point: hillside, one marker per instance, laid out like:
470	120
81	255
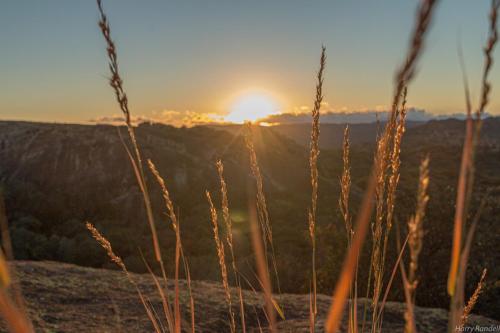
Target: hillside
331	134
67	298
54	177
449	131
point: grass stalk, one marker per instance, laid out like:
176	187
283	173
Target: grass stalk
466	176
116	82
473	299
403	77
12	308
13	314
395	164
167	311
262	268
459	255
229	239
135	156
263	214
345	188
415	238
179	252
222	261
106	245
313	165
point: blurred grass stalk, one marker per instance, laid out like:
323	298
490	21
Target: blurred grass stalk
376	183
459	254
12	305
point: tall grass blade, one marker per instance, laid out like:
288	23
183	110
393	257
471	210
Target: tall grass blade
229	239
415	242
116	83
263	273
164	299
403	77
263	214
222	261
466	177
313	164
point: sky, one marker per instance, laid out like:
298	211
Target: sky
188	59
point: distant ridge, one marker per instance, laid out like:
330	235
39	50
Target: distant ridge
360	117
449	131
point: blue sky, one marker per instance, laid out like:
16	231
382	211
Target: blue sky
196	57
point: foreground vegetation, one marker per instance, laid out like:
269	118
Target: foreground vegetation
376	276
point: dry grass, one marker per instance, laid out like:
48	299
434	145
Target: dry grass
415	241
459	253
179	253
313	165
106	245
116	82
222	260
377	181
387	161
136	161
387	158
395	164
229	239
263	214
466	177
415	225
343	286
262	268
473	299
345	186
382	186
345	189
263	277
379	195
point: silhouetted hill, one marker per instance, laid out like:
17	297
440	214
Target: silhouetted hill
446	131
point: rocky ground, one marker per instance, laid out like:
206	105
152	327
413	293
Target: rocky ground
69	298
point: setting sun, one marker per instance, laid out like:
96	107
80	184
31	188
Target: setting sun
252	107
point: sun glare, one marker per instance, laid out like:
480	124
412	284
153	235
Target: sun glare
252	107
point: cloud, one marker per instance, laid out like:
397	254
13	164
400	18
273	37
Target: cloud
118	120
297	115
364	116
187	118
171	117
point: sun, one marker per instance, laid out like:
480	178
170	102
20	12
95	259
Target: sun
252	107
